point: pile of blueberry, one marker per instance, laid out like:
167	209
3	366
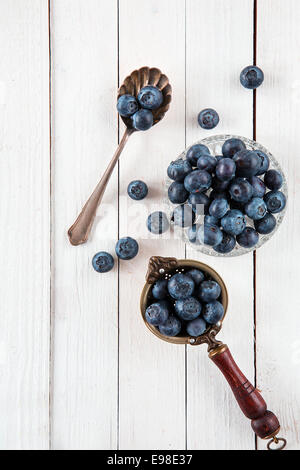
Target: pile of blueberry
236	189
186	302
140	110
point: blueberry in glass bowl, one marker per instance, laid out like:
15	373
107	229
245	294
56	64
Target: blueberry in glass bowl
231	183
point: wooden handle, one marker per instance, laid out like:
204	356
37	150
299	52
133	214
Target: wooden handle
264	423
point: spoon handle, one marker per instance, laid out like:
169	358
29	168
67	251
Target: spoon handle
79	232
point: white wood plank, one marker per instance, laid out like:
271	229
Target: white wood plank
152	372
84	52
278	302
219	45
24	234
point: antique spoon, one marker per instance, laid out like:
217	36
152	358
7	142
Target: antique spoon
79	232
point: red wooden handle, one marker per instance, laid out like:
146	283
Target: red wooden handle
264	423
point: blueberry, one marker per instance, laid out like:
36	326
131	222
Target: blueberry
247	163
227	244
142	120
181	286
219	157
232	146
172	326
256	208
225	169
188	309
183	216
178	169
264	162
196	327
127	105
273	179
213	312
208	118
157	223
209	291
196	275
206	162
177	193
233	222
248	238
157	313
218	208
195	152
160	289
102	262
241	190
211	220
209	235
199	202
150	97
192	233
127	248
251	77
137	190
197	181
219	185
276	201
259	188
266	224
215	194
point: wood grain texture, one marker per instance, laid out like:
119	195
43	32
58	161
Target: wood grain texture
277	285
25	227
216	53
152	372
84	129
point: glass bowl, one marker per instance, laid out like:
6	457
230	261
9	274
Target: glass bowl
215	143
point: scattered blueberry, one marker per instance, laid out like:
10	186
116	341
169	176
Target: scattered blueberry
178	169
264	162
197	181
209	290
232	146
247	163
276	201
188	309
251	77
171	327
196	275
213	312
150	97
233	222
142	120
206	162
273	179
195	152
196	327
227	244
157	313
181	286
127	105
102	262
160	289
208	118
266	224
248	238
218	208
199	202
157	223
177	193
256	208
225	170
259	188
241	190
137	190
127	248
209	235
183	216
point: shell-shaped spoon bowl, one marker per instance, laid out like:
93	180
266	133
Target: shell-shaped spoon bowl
140	78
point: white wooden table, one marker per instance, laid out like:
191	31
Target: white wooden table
78	368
